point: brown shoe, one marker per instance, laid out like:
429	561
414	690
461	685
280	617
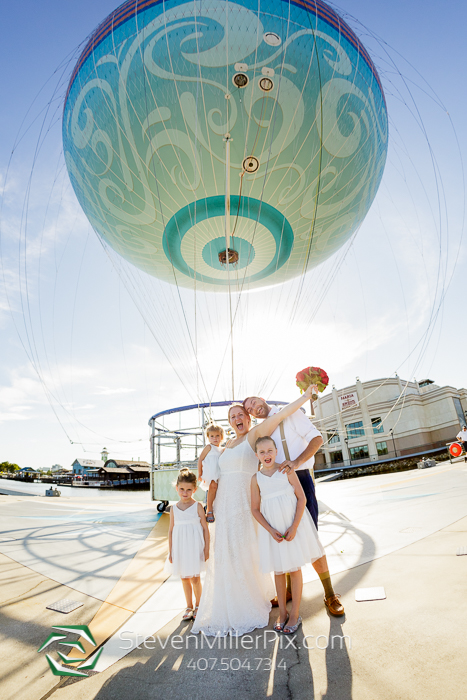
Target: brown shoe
275	602
334	605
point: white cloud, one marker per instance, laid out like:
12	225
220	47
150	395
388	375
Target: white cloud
107	391
23	392
12	417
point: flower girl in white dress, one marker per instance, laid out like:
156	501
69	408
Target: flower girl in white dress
188	541
208	466
288	538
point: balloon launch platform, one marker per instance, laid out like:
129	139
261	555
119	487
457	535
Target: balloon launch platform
164	472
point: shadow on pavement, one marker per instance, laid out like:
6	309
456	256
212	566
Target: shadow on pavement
338	668
181	665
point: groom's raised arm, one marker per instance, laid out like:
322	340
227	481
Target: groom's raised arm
268	426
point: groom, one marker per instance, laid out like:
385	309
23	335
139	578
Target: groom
301	439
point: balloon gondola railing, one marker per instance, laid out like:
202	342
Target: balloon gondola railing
172	449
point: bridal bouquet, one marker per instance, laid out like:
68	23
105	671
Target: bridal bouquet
312	375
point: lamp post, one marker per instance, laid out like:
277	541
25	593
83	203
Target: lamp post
346	440
393	442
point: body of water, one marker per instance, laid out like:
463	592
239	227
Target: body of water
127	495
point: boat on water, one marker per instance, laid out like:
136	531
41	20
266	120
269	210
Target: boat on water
53	493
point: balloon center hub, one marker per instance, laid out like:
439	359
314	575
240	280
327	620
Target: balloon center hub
233	257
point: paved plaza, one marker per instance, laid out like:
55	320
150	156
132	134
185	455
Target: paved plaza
398	531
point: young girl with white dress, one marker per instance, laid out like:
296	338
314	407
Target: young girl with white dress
188	541
288	538
208	466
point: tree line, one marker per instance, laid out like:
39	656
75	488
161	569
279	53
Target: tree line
8	467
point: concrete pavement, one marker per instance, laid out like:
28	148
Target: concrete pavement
400	531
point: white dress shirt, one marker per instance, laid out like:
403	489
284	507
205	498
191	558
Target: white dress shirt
299	431
462	435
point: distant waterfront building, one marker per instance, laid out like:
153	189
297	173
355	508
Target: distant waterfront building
28	471
385	418
58	468
125	471
104	455
81	467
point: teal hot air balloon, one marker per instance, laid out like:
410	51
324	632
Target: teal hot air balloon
253	126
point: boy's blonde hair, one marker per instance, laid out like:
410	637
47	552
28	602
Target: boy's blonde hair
214	428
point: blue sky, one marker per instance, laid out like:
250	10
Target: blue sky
98	362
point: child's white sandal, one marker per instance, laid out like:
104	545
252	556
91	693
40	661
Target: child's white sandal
187	615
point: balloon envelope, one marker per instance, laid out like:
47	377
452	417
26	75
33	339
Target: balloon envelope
157	91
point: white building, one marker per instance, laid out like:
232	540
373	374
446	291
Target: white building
387	418
81	467
58	468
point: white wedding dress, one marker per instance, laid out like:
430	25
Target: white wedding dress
236	595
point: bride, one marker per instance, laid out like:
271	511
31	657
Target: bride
236	595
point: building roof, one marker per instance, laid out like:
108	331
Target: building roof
125	470
88	462
115	470
127	463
